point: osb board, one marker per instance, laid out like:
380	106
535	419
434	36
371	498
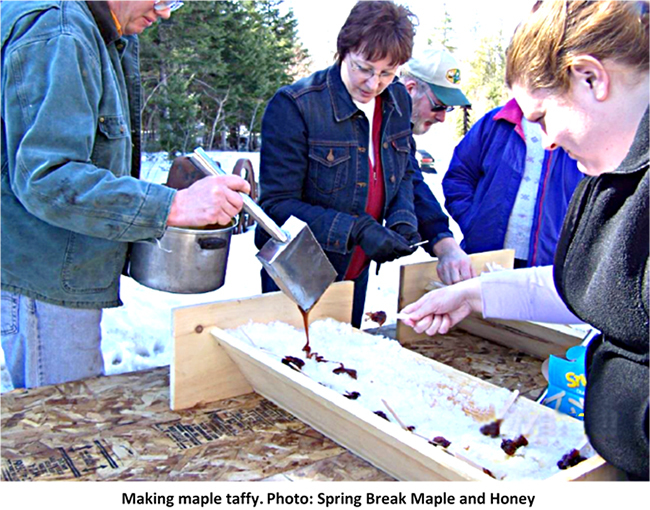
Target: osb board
497	364
534	338
121	428
385	445
199	371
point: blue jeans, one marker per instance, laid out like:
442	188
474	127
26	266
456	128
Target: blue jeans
358	301
49	344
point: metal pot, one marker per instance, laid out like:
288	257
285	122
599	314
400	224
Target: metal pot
183	261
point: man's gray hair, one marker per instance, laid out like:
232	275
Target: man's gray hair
421	85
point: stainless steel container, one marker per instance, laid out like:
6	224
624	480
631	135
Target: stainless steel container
183	261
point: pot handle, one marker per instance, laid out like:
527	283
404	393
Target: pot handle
212	243
205	163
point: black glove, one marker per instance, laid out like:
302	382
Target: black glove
379	243
408	232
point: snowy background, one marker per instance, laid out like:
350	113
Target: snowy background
138	335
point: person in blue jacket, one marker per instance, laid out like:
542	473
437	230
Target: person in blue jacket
506	191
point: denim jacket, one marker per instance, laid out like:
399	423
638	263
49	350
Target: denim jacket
70	137
314	160
433	223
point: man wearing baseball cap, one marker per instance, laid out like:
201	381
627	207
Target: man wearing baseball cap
432	78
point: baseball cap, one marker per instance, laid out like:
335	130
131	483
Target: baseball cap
440	70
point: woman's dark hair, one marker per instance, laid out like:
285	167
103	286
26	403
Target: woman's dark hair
377	30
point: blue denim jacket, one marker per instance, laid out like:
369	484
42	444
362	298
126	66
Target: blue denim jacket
314	160
433	223
70	107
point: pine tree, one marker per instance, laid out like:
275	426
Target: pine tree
486	83
209	70
443	34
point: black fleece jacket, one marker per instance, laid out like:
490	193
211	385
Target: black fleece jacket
601	273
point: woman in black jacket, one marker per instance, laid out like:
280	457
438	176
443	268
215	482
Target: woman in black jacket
580	69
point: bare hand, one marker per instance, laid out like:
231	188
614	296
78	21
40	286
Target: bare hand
208	201
440	310
454	265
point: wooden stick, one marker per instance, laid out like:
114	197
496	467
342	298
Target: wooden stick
465	459
508	404
434	284
390	409
249	338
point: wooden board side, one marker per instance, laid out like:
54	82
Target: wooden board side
534	338
200	371
414	278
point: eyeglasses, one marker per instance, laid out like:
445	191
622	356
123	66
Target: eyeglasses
172	5
368	72
438	107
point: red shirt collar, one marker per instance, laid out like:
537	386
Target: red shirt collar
513	114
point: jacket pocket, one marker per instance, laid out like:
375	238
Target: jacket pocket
112	148
396	159
329	167
91	264
113	126
9	311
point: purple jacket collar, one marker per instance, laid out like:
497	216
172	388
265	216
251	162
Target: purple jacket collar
513	114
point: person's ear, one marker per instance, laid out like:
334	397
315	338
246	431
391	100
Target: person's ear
589	73
410	87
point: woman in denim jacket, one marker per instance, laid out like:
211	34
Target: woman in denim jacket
335	150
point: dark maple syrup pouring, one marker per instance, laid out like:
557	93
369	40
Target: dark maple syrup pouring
305	321
307	349
321	359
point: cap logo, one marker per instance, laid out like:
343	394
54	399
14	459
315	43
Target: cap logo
453	76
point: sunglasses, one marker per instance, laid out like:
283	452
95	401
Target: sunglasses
438	107
173	5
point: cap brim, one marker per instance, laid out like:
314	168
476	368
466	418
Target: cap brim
449	96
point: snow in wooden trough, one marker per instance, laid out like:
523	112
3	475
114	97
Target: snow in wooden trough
380	375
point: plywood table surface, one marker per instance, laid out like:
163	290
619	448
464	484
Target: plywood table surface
121	427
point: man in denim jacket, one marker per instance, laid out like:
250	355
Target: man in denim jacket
71	198
335	150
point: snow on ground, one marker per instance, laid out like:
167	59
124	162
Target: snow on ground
138	336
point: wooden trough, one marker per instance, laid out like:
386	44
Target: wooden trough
534	338
209	364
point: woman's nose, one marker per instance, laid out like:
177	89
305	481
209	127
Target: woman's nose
373	82
547	142
163	13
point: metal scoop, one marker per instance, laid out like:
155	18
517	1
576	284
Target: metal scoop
292	257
